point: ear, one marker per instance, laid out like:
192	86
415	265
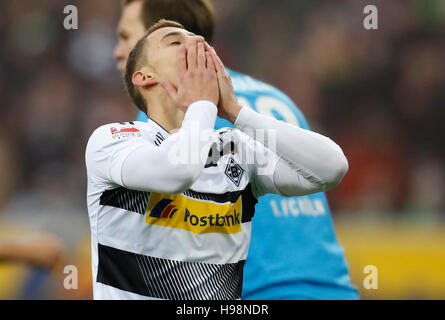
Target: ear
143	78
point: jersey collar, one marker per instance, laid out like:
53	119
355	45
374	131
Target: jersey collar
159	126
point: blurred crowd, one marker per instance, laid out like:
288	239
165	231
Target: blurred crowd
379	94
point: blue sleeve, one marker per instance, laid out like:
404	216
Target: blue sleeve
264	99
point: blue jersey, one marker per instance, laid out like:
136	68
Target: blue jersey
294	253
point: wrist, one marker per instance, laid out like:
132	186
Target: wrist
204	111
248	120
232	115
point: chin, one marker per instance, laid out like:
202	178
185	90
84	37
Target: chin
121	68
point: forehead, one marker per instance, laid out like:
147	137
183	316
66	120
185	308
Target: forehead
159	34
131	12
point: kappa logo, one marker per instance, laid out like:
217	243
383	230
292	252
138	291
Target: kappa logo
158	139
234	172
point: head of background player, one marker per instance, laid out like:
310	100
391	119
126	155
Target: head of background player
197	16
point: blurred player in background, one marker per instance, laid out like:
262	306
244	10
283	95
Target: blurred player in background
41	251
294	253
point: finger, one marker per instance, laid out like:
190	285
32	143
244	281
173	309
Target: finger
191	56
214	61
217	61
182	60
210	64
201	56
207	46
170	89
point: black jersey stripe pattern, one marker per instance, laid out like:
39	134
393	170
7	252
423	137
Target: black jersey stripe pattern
122	198
158	139
169	279
137	201
248	200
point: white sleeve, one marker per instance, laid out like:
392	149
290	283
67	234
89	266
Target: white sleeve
307	161
136	164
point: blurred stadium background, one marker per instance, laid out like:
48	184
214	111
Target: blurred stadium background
379	94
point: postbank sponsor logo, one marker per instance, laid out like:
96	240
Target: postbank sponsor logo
197	216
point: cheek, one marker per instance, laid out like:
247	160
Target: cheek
169	74
168	68
129	45
174	74
124	49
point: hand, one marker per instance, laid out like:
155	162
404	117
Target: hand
197	77
228	107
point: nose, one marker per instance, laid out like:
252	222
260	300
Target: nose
119	52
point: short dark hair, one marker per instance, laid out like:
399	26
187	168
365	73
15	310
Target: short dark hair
137	59
197	16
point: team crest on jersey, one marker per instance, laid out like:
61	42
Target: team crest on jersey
234	172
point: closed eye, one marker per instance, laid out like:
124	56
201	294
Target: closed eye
175	43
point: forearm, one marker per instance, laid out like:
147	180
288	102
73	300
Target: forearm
9	251
15	251
179	160
313	156
38	250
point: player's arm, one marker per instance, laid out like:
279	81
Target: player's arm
178	162
39	250
305	162
139	165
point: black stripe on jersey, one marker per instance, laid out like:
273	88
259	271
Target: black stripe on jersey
122	198
137	201
169	279
159	138
248	203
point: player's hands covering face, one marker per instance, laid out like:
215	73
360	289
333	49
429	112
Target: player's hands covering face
228	106
197	76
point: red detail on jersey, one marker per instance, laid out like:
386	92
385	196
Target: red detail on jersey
168	210
114	130
130	130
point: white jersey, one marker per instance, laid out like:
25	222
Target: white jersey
156	233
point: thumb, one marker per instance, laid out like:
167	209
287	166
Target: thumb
170	89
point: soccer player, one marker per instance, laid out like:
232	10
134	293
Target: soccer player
171	210
294	252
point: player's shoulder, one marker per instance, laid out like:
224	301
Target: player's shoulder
114	133
246	83
269	97
117	130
